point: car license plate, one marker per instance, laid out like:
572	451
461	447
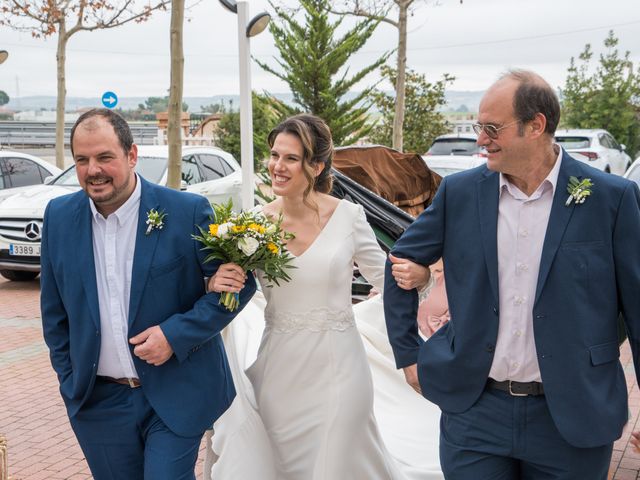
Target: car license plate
20	250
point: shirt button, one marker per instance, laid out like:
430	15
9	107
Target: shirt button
518	333
524	233
523	267
516	365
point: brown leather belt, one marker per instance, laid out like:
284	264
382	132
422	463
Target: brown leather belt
131	382
517	389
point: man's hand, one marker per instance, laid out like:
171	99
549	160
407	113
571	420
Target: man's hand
409	275
229	277
635	441
152	346
411	376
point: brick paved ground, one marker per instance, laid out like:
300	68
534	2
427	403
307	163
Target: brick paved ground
32	416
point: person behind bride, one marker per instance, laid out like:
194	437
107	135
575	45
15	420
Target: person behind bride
311	379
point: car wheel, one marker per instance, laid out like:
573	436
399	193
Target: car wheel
18	275
607	169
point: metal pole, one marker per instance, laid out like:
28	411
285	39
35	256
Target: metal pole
246	113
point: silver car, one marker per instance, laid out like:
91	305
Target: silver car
208	171
20	170
601	149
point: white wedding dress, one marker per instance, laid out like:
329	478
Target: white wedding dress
305	406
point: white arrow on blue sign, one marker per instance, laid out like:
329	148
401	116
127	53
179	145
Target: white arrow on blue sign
109	99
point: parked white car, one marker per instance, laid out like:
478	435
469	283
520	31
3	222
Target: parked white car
599	146
445	165
20	170
207	171
633	172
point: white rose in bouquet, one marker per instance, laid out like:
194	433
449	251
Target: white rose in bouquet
248	245
271	229
223	230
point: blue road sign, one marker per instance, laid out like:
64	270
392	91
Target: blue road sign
109	99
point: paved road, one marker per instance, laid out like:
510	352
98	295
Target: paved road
32	416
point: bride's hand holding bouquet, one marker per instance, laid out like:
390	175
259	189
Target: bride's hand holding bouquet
250	241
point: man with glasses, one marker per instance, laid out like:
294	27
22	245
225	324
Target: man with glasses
540	256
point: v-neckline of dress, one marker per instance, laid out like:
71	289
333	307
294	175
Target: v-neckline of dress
315	240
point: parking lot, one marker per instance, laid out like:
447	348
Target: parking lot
32	416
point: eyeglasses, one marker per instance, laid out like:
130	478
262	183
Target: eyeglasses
491	130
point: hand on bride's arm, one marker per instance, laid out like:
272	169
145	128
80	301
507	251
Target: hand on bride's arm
411	376
229	277
409	275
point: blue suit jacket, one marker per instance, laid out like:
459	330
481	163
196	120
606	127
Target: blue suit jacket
589	272
194	386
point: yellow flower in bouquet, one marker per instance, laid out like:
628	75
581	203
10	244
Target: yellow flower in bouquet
249	239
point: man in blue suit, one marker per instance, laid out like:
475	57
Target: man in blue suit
132	334
537	269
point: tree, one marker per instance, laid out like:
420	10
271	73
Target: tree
609	98
267	113
174	126
4	98
379	10
423	122
45	18
313	60
212	108
159	104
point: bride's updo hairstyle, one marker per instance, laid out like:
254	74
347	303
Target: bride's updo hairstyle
317	148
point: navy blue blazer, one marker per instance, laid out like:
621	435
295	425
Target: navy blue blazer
589	273
194	387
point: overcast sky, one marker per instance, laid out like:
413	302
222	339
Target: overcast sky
474	41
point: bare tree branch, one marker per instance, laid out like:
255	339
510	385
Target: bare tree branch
366	14
45	18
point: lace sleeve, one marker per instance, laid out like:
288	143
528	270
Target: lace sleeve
368	255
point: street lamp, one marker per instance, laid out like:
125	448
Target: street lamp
246	30
3	55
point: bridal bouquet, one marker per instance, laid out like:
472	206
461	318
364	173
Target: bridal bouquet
249	239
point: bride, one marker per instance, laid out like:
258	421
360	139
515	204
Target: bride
307	410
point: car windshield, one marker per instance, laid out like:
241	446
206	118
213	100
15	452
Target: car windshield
574	142
454	146
150	168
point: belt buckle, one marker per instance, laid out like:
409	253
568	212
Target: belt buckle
131	382
516	394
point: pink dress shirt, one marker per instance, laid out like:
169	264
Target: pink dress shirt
522	224
433	312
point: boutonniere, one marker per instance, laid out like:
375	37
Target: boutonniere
578	190
155	219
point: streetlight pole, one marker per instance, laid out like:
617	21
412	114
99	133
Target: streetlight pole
245	32
246	108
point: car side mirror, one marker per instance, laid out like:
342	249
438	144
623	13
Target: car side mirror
49	179
183	185
623	147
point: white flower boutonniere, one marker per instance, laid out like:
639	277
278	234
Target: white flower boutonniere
578	190
155	219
